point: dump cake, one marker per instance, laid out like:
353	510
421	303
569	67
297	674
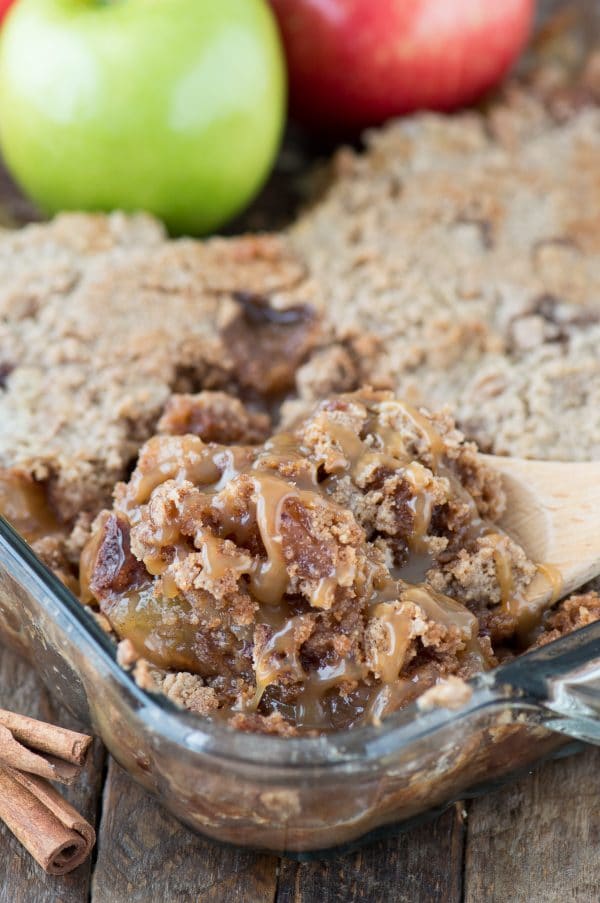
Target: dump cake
329	573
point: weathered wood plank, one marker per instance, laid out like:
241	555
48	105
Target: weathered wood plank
145	854
424	865
21	879
538	840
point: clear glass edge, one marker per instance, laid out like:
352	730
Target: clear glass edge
369	743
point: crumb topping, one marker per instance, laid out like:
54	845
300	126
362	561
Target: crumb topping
467	245
102	320
325	576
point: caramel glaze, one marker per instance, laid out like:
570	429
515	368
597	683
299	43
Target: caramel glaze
24	503
514	602
285	481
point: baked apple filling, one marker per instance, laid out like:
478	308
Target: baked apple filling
24	503
315	581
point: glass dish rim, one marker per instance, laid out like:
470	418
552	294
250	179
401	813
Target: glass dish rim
343	748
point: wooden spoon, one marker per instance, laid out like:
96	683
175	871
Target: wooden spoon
553	511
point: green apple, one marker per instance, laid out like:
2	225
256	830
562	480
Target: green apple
171	106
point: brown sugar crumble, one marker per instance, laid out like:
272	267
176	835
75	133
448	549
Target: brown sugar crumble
315	581
469	246
89	359
83	309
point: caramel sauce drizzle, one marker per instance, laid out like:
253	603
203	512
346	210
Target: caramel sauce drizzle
203	465
398	627
443	609
516	603
211	467
433	438
279	659
24	503
269	582
554	577
421	504
217	563
509	601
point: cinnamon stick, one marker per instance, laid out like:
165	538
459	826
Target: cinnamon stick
57	837
47	738
18	756
47	750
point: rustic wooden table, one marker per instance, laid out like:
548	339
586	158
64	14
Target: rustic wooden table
536	840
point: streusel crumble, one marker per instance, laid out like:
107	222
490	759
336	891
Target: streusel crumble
314	581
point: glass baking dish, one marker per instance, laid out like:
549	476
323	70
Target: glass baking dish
308	795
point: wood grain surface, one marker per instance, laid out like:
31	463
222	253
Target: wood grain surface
145	854
538	839
422	867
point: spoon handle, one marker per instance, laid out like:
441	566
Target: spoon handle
564	679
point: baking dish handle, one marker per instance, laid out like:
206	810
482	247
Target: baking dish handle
563	679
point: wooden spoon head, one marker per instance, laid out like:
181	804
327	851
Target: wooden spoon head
553	512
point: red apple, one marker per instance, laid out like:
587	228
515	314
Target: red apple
4	7
354	63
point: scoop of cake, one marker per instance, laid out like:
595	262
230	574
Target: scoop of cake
317	580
